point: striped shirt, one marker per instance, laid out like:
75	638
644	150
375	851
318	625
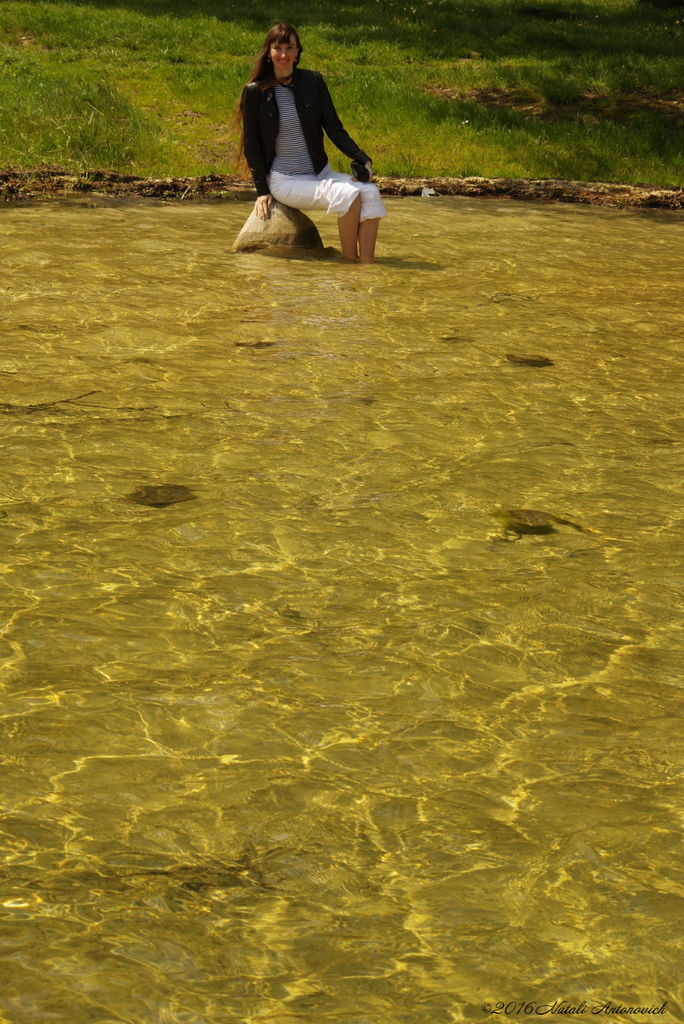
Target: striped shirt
292	155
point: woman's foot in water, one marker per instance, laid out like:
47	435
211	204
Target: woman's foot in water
348	226
368	234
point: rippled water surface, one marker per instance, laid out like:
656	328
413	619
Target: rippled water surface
330	740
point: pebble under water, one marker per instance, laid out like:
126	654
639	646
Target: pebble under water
341	654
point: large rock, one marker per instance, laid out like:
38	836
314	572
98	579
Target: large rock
284	228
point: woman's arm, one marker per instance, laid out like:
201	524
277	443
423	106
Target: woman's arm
334	128
254	151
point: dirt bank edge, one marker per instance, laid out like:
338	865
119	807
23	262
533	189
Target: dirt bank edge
55	182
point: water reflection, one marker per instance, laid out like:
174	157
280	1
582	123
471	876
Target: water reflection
321	743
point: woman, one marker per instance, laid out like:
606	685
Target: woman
284	111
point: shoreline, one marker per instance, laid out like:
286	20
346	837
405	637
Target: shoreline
44	183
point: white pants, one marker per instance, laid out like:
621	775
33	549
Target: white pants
329	191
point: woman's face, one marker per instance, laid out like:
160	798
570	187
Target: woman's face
283	56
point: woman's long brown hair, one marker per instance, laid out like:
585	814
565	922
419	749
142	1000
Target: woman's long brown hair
263	73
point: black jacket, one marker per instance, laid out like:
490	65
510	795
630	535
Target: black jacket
316	111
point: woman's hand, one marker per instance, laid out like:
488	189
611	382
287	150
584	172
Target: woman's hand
262	207
369	167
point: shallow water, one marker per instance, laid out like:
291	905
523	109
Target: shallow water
329	741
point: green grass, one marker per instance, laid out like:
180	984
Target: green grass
444	88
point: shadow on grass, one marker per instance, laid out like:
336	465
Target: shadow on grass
443	31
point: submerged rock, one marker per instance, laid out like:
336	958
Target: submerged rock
285	227
529	360
530	520
161	495
254	344
243	871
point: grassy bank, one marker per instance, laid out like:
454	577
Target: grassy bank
585	89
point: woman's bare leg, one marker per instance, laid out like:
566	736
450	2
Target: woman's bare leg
348	226
368	233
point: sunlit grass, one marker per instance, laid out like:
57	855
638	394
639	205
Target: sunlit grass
49	117
149	87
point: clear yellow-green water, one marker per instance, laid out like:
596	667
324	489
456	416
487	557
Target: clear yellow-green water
329	742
